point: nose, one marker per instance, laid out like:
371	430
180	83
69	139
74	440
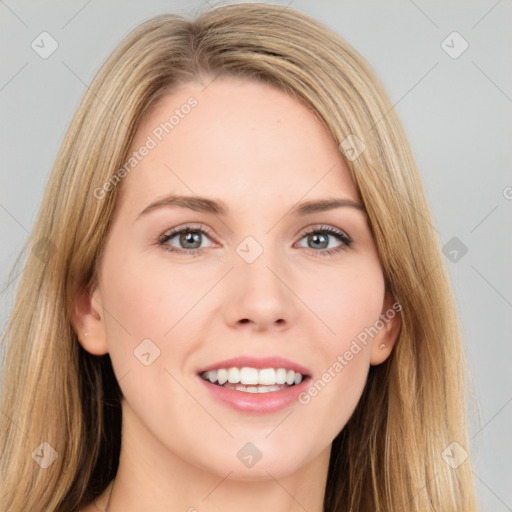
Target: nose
259	297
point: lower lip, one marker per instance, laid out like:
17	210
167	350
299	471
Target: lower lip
257	403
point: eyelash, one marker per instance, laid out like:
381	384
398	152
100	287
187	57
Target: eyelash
340	235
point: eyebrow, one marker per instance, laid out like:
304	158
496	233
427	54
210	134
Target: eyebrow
217	207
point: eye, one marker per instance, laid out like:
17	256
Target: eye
323	240
326	240
188	240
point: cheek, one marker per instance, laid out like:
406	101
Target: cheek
348	303
346	300
146	310
148	300
152	308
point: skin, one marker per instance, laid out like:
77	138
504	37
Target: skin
260	151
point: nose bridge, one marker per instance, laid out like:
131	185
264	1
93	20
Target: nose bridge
260	295
253	265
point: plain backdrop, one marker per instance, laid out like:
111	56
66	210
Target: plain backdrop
456	107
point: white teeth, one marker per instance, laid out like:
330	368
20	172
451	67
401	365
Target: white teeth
234	376
267	376
253	380
249	376
281	376
222	376
267	389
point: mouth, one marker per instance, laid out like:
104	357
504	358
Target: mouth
255	385
253	380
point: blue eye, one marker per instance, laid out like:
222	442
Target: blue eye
189	240
319	239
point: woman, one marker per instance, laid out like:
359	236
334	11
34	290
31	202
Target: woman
234	289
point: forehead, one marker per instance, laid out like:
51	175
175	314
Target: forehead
235	139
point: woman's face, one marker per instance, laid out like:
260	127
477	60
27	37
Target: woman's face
221	254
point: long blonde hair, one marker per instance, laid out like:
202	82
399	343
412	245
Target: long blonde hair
389	457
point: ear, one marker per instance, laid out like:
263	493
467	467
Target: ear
87	319
388	329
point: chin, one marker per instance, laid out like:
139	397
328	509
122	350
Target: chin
253	462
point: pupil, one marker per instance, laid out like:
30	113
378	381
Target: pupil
190	238
317	239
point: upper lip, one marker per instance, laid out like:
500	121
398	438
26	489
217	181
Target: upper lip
258	362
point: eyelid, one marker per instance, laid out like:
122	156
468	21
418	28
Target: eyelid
188	226
313	228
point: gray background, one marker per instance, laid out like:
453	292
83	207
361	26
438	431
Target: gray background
456	112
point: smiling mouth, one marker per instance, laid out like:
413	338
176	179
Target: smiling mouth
253	380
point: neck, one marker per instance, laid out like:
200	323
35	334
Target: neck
151	477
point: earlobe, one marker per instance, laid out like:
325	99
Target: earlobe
384	341
87	320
